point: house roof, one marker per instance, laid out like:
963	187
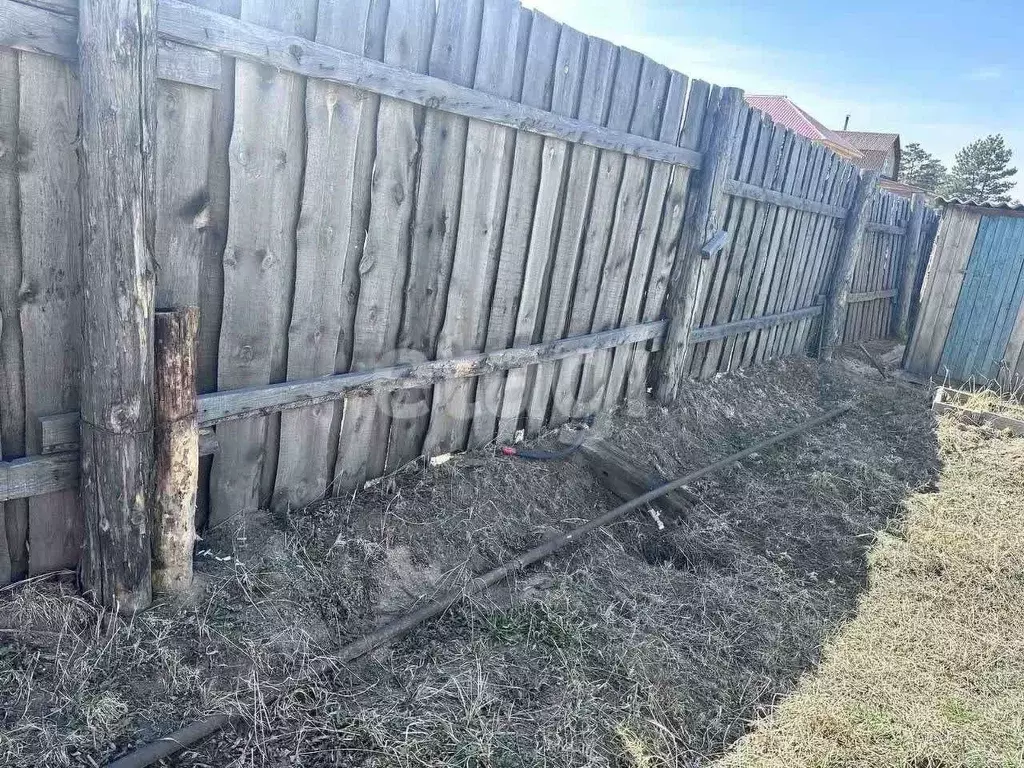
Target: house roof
874	146
784	112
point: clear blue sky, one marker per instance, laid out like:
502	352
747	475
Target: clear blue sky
938	72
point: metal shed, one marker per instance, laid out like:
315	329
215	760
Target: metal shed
971	319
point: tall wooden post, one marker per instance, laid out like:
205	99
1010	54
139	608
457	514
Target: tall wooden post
704	216
852	244
117	58
911	261
176	340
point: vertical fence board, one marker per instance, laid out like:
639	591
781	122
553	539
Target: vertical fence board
485	188
622	244
547	213
735	261
13	514
509	287
746	300
51	322
334	118
669	235
642	272
595	96
365	430
453	57
259	257
596	237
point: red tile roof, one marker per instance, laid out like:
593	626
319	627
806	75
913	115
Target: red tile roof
784	112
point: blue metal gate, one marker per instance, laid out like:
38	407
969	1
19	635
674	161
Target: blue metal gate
989	300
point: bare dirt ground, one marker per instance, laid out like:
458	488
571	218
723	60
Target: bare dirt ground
643	646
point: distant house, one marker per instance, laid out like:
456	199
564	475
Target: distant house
784	112
881	151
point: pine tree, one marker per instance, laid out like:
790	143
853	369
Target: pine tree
920	168
982	172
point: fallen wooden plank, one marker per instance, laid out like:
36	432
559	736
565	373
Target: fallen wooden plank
38	475
256	401
886	229
60	435
775	197
855	298
190	25
945	402
752	324
29	28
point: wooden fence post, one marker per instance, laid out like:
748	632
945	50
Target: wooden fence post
176	340
117	58
704	216
911	261
834	319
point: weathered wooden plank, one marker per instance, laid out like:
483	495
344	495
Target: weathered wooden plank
117	59
511	280
40	477
51	287
644	270
176	454
796	261
886	228
323	274
546	214
852	244
885	293
1011	372
362	450
596	239
38	30
231	405
485	189
259	258
669	234
775	197
186	24
804	256
13	515
735	262
622	243
786	226
595	95
705	213
60	434
823	251
746	302
747	325
453	56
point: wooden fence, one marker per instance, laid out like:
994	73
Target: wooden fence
410	228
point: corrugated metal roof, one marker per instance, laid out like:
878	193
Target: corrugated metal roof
1017	208
784	112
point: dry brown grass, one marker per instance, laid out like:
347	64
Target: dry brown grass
931	671
643	647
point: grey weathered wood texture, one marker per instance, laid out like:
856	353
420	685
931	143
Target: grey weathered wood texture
704	216
912	258
38	30
326	270
525	184
176	441
117	66
259	256
853	241
184	23
365	431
